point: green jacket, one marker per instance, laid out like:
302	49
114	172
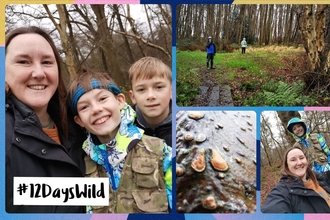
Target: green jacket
141	188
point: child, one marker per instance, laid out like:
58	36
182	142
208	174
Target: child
116	148
314	145
210	52
244	45
151	94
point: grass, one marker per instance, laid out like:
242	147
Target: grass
187	77
245	73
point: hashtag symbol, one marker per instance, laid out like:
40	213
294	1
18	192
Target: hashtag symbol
22	188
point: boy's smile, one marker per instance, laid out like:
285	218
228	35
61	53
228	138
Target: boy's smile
298	130
101	120
99	112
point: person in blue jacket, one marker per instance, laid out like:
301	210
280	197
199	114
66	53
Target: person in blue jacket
300	190
210	50
314	145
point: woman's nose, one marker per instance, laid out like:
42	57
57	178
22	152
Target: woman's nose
38	71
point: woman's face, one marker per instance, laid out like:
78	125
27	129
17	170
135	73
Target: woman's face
31	70
297	163
298	130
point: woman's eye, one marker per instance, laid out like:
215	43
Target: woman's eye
23	61
47	62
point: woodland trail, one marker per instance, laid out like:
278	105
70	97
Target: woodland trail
211	93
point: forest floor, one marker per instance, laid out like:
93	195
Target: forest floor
245	79
240	83
270	176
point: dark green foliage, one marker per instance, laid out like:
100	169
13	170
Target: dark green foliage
281	94
187	87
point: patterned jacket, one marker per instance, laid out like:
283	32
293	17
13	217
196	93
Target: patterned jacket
141	187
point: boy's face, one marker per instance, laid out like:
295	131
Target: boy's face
298	130
99	112
152	97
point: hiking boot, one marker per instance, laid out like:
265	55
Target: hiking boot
208	68
212	68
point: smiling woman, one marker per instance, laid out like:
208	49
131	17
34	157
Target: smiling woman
41	140
300	189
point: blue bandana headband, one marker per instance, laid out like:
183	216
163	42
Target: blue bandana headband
94	85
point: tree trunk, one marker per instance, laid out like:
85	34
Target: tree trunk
126	46
61	28
285	117
312	25
106	47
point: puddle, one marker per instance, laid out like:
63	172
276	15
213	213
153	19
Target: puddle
212	191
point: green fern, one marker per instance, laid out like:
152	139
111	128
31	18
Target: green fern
284	94
281	94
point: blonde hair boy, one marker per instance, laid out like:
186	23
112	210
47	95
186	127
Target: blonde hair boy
151	94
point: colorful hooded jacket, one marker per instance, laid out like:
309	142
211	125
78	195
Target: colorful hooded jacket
111	156
319	149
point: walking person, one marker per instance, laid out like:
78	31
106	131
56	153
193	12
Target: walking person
244	45
210	50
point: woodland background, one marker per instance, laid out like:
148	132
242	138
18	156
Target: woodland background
104	37
259	24
273	33
275	139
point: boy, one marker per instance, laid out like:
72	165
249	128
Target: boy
135	163
151	94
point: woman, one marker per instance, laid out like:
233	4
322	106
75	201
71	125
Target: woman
300	189
41	139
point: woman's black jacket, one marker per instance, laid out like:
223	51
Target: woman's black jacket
294	197
32	153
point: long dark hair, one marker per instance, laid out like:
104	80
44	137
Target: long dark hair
309	172
58	100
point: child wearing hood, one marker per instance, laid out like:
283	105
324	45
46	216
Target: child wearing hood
244	45
314	145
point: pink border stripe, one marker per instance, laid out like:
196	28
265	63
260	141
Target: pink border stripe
316	217
109	216
317	108
106	2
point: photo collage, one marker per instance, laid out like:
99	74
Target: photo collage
166	110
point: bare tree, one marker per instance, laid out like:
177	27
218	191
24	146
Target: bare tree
312	24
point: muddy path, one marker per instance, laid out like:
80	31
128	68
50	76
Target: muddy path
211	92
233	135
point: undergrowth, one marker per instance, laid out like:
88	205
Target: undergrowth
266	76
280	94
